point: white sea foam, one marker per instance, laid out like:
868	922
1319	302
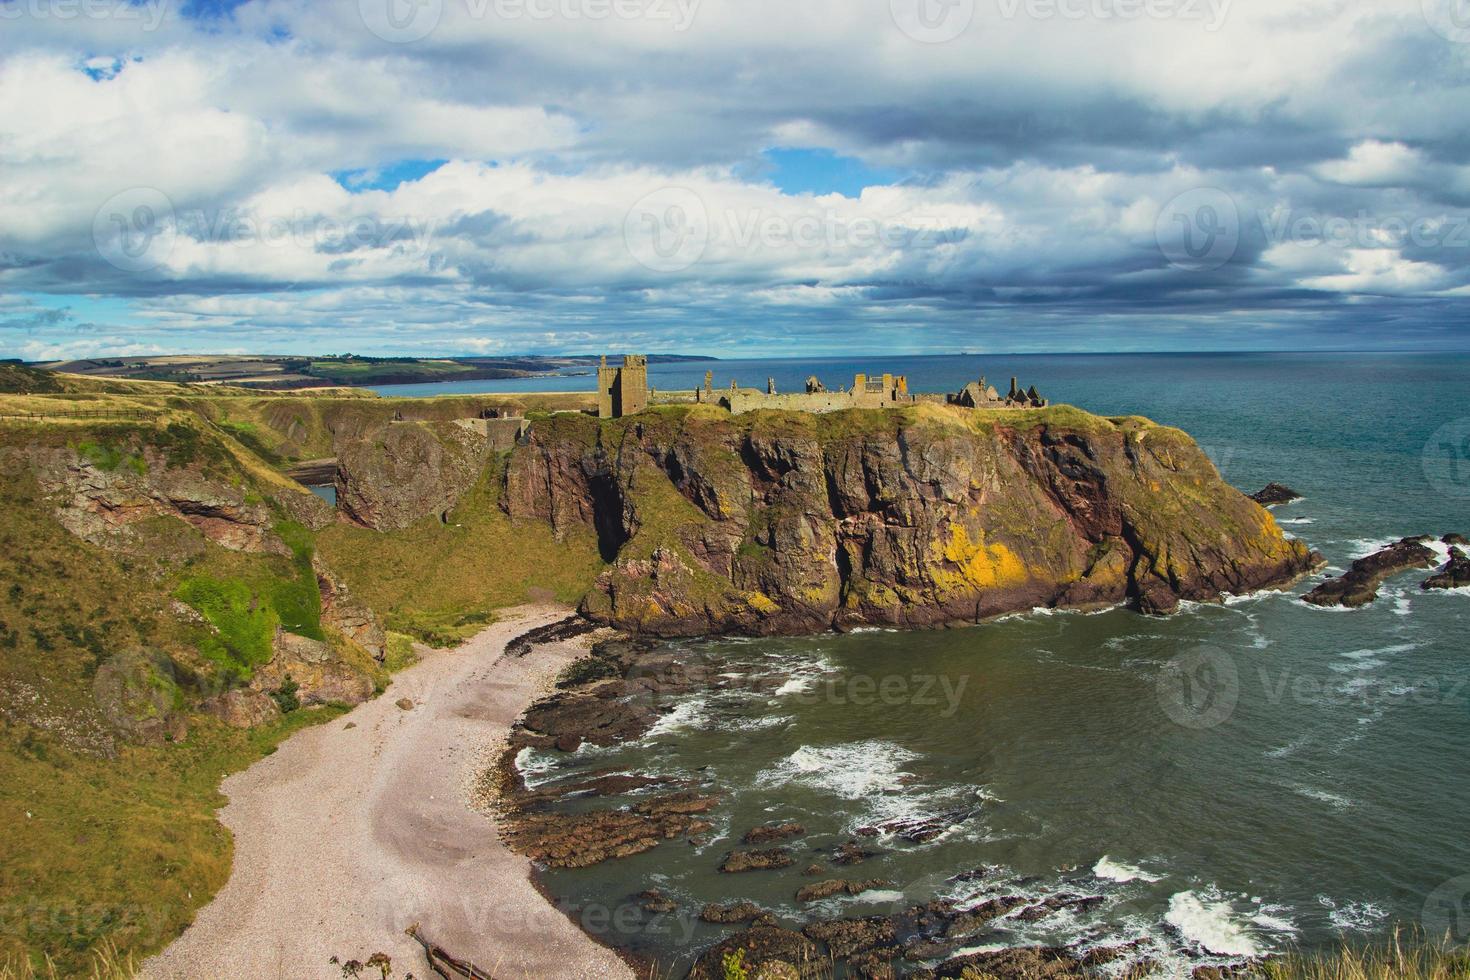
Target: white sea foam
1332	799
685	714
1296	520
1352	916
1273	917
852	771
1210	923
1112	870
1290	748
796	685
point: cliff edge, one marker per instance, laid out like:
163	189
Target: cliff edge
775	522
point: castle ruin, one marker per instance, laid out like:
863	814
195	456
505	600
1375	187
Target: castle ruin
622	390
867	391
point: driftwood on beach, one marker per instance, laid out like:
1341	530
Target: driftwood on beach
444	964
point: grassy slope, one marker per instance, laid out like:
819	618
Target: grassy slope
122	847
441	582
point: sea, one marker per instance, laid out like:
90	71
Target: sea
1239	779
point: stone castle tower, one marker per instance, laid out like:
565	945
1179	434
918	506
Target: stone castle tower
622	390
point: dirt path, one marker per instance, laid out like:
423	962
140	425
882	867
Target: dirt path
352	831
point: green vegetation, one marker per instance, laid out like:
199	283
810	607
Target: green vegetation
1397	959
441	582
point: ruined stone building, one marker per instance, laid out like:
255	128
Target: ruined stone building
622	390
978	394
867	391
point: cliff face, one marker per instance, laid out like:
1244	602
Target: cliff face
785	523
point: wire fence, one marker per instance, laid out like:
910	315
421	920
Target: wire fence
96	413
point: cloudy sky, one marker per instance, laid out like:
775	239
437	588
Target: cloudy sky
733	176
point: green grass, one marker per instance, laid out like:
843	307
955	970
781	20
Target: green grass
119	850
441	582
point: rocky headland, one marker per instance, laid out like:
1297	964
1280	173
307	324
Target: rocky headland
783	523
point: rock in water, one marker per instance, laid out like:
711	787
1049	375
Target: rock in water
1456	573
772	832
1274	494
775	857
1358	586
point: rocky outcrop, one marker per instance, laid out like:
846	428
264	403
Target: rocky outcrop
773	832
403	472
343	613
108	496
774	523
1358	586
839	886
320	676
243	708
1456	573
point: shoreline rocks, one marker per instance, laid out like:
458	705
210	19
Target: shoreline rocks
1456	572
1359	585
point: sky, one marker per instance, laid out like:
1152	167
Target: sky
732	177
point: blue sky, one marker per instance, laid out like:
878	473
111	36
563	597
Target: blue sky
467	177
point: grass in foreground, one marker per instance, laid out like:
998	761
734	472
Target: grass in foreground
1400	958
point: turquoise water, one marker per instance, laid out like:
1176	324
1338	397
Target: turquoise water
1309	786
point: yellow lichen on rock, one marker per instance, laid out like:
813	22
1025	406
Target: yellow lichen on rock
981	565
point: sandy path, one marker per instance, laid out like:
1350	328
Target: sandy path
346	836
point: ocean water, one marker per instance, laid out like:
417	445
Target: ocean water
1235	780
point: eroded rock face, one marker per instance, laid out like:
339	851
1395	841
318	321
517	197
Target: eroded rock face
782	523
107	506
343	613
400	473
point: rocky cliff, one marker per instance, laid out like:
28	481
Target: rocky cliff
786	523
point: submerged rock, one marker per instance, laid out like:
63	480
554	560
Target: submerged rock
734	912
775	857
655	901
780	831
1359	585
839	886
